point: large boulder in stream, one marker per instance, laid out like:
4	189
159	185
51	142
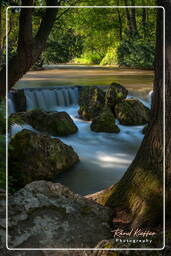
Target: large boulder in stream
19	100
35	156
91	101
132	112
104	122
48	215
53	123
115	94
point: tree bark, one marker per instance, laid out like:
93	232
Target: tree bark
128	16
29	48
131	17
139	194
119	21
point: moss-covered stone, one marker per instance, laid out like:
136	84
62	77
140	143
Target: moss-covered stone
115	94
132	112
20	100
104	122
35	156
91	101
54	123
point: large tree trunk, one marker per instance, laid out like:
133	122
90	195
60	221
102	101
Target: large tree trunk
29	48
139	194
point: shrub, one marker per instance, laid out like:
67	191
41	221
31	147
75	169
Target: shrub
136	52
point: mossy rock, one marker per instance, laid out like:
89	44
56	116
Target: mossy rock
20	100
115	94
132	112
54	123
105	122
35	156
91	101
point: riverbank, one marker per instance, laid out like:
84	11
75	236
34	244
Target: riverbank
57	75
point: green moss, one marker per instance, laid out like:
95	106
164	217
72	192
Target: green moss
86	210
105	122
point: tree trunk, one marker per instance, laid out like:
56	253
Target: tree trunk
119	21
128	17
144	19
139	194
133	17
29	48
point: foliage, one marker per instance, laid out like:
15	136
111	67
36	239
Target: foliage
62	46
110	57
90	35
136	52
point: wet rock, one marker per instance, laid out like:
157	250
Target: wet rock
48	215
19	100
104	122
115	94
35	156
144	130
91	101
54	123
132	112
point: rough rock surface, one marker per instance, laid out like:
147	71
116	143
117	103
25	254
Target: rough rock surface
35	156
132	112
115	94
48	215
19	100
104	122
54	123
91	101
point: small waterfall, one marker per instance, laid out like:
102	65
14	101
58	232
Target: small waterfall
11	106
48	99
149	96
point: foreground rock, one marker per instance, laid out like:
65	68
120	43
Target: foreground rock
115	94
132	112
91	101
34	156
104	122
54	123
48	215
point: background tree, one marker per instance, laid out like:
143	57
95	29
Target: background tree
29	48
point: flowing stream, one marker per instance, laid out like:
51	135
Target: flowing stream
104	157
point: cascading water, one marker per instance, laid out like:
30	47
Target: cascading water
11	106
103	157
48	99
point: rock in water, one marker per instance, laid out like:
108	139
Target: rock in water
48	215
115	94
104	122
35	156
20	100
91	102
54	123
132	112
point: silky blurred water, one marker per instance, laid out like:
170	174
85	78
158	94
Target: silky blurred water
104	157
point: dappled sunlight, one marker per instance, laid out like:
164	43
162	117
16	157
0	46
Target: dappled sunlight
104	157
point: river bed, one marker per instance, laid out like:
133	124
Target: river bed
104	157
